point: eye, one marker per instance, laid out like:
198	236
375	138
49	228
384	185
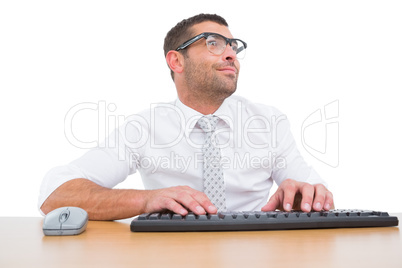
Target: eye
212	42
215	41
216	44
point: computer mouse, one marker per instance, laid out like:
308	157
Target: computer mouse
65	221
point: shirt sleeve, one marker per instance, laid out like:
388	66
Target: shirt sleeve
107	165
289	163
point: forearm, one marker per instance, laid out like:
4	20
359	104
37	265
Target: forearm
101	203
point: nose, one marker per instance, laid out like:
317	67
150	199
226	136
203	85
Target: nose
229	54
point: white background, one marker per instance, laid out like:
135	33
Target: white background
302	56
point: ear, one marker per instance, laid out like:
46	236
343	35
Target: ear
175	61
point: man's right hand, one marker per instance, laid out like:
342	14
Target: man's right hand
112	204
179	199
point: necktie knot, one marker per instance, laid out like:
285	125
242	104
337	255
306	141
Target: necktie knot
208	123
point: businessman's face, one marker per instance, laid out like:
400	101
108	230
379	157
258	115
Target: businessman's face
207	74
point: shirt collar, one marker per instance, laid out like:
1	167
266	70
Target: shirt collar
225	113
191	116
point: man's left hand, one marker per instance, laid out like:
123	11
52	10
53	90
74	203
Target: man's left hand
303	196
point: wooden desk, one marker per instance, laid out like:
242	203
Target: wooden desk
111	244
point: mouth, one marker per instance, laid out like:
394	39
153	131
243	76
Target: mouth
228	69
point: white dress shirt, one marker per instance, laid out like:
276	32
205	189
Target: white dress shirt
164	144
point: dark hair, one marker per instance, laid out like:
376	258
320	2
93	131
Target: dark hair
182	31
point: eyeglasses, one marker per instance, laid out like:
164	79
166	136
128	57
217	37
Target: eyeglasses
217	43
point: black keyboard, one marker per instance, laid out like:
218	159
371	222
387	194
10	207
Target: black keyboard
258	220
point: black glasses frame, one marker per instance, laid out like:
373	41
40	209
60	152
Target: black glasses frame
205	35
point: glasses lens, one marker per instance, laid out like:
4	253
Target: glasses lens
216	44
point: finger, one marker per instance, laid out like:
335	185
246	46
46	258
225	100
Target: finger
275	202
319	197
307	192
174	206
290	190
188	201
177	199
194	200
323	198
329	201
204	202
161	199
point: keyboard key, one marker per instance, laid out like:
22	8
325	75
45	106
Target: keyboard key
201	217
154	216
213	217
282	215
304	215
177	217
315	214
190	217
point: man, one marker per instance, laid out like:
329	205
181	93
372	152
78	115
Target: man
250	147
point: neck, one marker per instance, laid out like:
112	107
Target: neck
202	100
201	105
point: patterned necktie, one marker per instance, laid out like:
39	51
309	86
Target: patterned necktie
214	184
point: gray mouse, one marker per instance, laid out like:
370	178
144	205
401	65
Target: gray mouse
65	221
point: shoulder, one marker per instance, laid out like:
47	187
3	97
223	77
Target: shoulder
153	112
238	103
161	108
